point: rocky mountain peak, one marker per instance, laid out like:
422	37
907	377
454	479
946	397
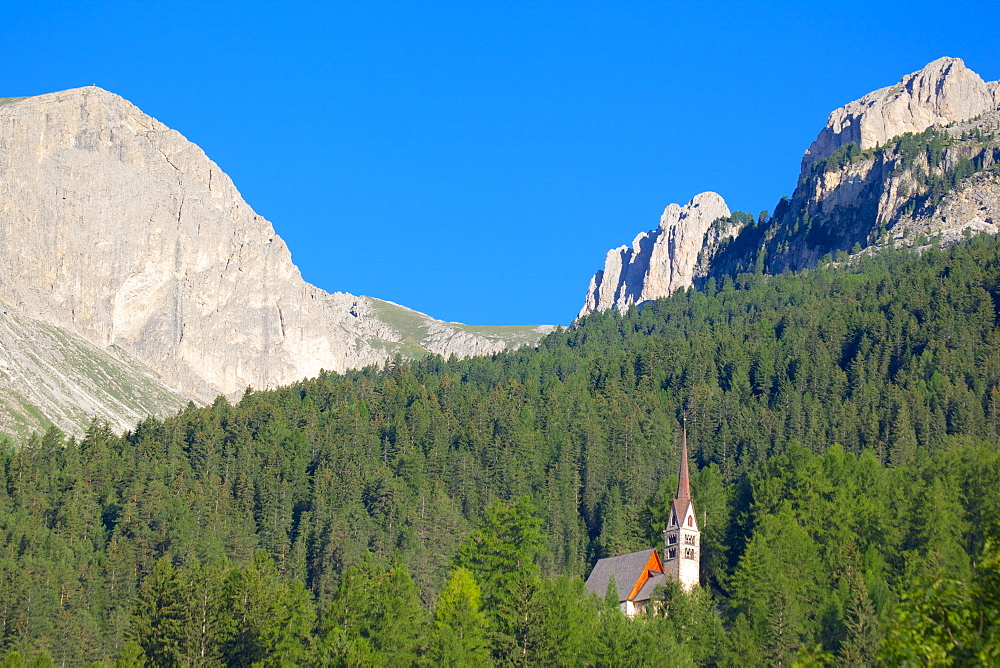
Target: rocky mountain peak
660	261
917	159
117	229
130	235
925	160
944	91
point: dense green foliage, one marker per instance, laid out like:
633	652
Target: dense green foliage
844	425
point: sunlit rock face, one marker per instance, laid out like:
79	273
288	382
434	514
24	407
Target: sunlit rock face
660	261
944	91
880	193
853	198
117	228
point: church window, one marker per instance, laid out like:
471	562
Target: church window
690	521
673	518
688	553
672	538
672	553
690	540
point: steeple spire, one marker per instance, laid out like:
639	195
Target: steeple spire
684	484
682	538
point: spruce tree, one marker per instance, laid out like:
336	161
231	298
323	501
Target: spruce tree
861	644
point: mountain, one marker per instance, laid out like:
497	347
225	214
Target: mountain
662	260
901	164
115	228
907	161
127	240
51	376
844	432
943	92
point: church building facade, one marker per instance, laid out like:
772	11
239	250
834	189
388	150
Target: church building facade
637	574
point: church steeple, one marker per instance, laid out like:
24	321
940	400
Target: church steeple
684	484
681	538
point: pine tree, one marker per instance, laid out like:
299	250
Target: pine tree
159	614
502	554
615	633
375	617
207	623
273	619
570	624
131	656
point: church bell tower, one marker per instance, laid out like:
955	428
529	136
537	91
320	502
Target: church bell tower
682	539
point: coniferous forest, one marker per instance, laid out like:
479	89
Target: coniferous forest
844	427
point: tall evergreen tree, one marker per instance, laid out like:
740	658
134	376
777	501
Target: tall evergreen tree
460	625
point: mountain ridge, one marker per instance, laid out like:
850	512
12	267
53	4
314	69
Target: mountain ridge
915	158
941	92
129	235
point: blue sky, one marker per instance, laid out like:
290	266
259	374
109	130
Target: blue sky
475	160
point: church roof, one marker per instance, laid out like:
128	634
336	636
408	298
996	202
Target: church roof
652	583
628	570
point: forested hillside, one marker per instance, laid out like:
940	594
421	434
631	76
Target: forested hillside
844	426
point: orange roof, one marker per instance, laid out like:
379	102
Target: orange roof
653	565
631	571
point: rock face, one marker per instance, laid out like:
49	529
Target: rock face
934	183
662	260
972	208
921	157
944	91
116	228
925	160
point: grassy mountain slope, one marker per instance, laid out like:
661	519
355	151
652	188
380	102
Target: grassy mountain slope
421	335
51	376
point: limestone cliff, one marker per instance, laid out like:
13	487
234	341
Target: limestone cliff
918	158
940	181
118	229
660	261
944	91
921	157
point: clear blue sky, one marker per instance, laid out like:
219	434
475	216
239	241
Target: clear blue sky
475	160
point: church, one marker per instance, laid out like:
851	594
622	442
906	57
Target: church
637	574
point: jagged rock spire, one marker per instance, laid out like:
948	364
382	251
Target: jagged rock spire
684	483
661	261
